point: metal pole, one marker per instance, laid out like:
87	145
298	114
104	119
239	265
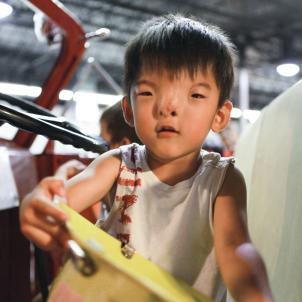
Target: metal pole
244	95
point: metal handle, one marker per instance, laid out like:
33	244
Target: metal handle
81	259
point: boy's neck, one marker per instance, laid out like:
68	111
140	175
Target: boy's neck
174	171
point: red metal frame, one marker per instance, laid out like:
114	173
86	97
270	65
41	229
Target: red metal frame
27	169
72	50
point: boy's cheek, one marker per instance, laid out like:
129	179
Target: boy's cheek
143	125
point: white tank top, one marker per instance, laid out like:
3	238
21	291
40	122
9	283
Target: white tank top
170	225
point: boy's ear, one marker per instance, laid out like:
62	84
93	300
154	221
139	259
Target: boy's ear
222	116
127	111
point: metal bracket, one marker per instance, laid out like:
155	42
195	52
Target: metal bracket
127	250
81	260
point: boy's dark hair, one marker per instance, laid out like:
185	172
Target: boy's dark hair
116	125
176	43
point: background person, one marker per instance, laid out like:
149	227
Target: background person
113	129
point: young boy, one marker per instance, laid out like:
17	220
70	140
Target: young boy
177	205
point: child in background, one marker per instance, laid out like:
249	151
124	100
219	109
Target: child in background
113	129
176	204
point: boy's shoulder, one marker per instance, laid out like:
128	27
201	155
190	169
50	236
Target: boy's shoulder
111	159
133	147
226	176
234	181
132	151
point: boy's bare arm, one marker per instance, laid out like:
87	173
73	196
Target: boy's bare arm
91	185
241	266
43	223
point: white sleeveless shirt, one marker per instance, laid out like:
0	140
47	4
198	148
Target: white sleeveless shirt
170	225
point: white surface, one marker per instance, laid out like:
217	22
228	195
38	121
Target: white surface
269	155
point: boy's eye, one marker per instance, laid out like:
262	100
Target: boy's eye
197	96
144	93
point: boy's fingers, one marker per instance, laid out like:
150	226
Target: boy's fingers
49	209
42	215
41	238
46	234
47	224
63	237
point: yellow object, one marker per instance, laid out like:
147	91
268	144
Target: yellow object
113	276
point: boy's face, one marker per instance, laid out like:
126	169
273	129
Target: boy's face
172	117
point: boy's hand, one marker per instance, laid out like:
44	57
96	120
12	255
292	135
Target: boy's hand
41	220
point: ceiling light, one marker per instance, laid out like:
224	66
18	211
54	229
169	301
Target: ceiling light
65	95
5	10
99	98
20	90
288	69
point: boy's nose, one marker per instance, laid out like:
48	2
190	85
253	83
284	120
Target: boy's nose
166	113
168	107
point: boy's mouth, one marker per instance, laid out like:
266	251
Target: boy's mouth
168	129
